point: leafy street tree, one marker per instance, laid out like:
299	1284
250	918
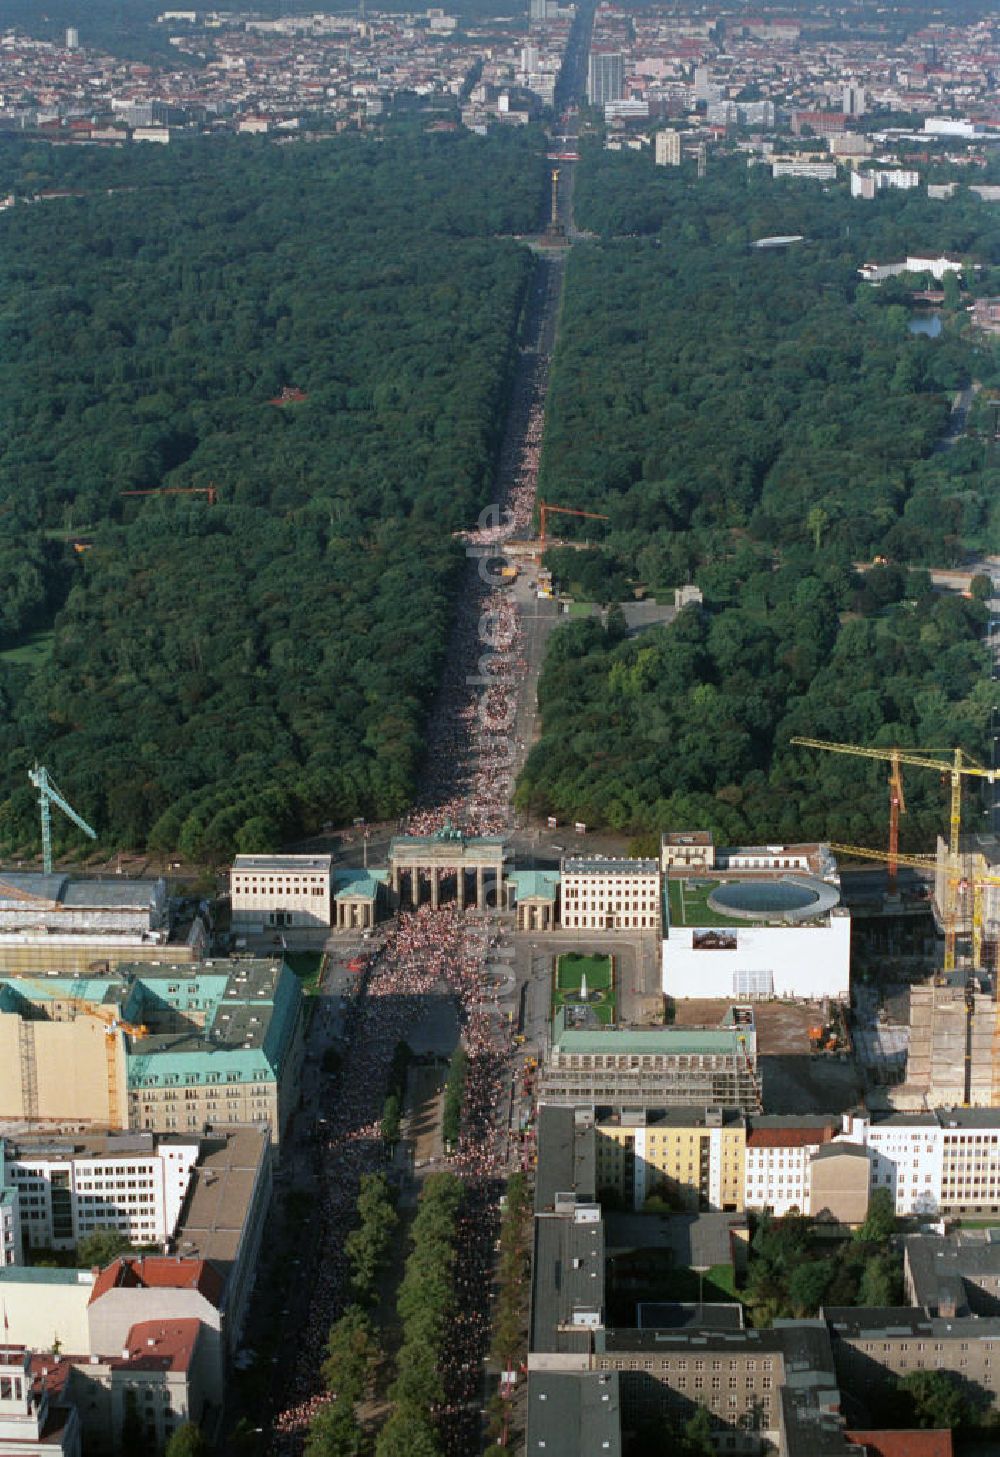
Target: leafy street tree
187	1441
102	1245
936	1399
880	1221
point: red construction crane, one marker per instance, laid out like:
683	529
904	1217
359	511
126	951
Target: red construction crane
207	491
545	511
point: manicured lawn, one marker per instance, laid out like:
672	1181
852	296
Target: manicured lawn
689	904
572	967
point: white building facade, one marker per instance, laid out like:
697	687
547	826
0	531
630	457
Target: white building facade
942	1162
279	891
610	895
64	1193
776	1166
809	962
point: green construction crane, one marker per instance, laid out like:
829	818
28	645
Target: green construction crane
49	794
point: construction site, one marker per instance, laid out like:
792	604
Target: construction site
926	1018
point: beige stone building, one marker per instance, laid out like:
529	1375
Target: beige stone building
687	850
599	894
839	1183
164	1049
279	892
60	1064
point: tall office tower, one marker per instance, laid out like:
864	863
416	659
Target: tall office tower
606	81
668	149
538	9
72	38
854	100
703	88
529	59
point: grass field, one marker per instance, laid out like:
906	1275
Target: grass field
30	653
689	907
571	968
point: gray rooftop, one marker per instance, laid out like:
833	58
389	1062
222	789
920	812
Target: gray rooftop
703	1338
219	1195
695	1239
284	864
567	1281
963	1268
672	1315
81	893
574	1414
880	1322
600	865
567	1160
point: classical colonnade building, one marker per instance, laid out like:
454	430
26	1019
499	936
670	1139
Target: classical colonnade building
443	855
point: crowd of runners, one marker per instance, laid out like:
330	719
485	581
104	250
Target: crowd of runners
472	756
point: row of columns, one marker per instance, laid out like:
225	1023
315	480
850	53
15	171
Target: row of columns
435	872
535	917
353	915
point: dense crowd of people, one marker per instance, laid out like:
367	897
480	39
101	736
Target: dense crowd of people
472	751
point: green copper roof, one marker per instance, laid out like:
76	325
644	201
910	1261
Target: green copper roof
707	1041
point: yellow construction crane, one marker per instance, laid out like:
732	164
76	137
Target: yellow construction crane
954	762
114	1025
957	764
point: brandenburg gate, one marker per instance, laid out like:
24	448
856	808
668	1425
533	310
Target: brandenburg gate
446	853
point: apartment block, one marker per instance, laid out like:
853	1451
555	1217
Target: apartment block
872	1347
779	1153
66	1188
162	1048
668	149
942	1162
223	1045
693	1161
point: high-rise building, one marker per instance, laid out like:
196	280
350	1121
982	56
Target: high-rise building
538	9
72	38
606	79
703	88
668	149
854	100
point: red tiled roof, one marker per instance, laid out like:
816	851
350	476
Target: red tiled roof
787	1137
899	1443
162	1272
159	1345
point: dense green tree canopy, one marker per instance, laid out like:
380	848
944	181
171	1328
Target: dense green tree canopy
222	676
762	424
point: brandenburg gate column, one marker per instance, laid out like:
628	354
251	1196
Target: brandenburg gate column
480	889
460	888
415	886
435	887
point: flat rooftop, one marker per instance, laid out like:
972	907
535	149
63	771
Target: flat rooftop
606	865
123	1145
566	1158
567	1278
280	864
219	1195
574	1414
655	1041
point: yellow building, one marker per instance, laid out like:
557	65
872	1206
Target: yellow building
692	1159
